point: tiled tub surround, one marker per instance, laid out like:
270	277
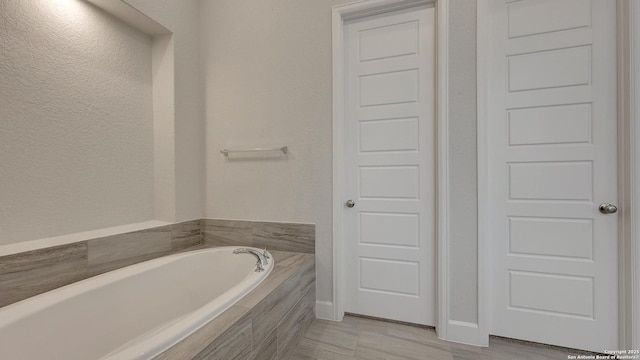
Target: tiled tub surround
267	324
272	235
31	273
34	272
141	309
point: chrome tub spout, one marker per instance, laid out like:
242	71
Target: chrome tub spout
261	257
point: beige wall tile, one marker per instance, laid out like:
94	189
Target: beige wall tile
227	232
268	350
234	344
30	273
285	236
272	235
185	235
130	246
295	323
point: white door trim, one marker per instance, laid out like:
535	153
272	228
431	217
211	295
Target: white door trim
482	153
627	185
633	115
629	170
446	328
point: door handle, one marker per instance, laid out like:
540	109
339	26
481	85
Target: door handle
607	208
350	203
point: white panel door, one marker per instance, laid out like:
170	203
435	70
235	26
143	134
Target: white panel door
552	159
389	165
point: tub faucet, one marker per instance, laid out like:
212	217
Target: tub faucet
262	258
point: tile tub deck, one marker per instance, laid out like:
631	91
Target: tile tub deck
267	324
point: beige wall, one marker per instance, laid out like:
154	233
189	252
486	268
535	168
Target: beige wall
75	120
181	17
463	262
267	66
268	83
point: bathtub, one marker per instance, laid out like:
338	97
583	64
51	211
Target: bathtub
135	312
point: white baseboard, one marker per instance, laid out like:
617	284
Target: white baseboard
465	333
324	310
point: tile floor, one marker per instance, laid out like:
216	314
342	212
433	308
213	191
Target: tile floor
368	339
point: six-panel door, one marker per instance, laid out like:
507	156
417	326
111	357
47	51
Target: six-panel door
389	149
552	125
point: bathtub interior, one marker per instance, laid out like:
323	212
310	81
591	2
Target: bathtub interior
107	314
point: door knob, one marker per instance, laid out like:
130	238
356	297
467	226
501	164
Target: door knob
350	203
607	208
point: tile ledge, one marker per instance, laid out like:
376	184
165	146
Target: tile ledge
262	221
15	248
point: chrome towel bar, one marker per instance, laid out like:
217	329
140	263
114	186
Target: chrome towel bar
226	152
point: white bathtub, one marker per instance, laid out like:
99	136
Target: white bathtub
135	312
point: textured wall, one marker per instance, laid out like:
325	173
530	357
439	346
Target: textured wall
268	83
181	17
75	120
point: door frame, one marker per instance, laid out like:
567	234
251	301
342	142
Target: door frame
446	328
628	22
629	11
